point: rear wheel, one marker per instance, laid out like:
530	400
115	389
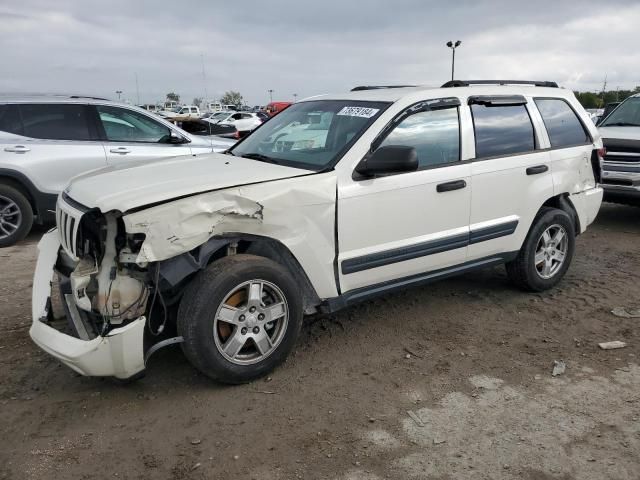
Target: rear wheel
240	318
16	216
546	253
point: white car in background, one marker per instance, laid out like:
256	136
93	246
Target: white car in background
243	121
309	134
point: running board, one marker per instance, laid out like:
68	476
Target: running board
365	293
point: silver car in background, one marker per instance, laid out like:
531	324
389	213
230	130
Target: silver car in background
47	140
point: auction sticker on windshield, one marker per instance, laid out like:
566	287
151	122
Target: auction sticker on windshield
363	112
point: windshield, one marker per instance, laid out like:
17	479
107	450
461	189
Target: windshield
311	135
626	115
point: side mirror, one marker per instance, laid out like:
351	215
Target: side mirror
389	159
176	139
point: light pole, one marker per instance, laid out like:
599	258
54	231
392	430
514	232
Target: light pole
295	97
270	94
453	47
119	92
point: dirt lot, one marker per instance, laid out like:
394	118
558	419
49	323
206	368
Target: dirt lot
478	379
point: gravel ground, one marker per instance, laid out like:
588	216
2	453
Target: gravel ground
470	358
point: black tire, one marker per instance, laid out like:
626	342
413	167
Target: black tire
522	271
26	216
201	300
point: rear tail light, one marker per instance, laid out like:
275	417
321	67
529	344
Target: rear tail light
236	135
602	152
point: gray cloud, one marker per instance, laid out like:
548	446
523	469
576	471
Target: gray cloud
93	47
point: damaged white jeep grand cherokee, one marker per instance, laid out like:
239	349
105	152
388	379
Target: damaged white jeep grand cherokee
335	200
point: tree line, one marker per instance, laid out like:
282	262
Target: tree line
600	99
229	98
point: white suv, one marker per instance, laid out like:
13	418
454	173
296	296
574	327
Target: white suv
47	140
405	186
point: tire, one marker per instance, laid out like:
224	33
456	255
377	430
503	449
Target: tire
14	199
524	272
207	336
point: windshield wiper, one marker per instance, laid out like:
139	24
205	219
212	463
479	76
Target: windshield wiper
260	157
620	124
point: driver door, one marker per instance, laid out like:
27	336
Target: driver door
393	228
132	136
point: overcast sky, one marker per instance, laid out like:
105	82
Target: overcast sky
296	46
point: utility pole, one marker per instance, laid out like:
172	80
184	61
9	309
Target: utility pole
137	89
204	78
119	92
453	47
604	89
295	97
270	94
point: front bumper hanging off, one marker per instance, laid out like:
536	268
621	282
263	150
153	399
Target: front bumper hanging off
119	354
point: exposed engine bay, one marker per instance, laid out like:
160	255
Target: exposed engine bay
98	259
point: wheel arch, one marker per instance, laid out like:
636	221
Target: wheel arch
562	202
178	271
21	183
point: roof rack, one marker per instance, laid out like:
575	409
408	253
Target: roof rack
466	83
377	87
87	96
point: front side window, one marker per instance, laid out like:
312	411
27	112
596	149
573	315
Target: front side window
502	130
53	121
123	125
562	124
311	135
435	134
626	115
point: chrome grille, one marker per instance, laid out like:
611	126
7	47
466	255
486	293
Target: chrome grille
68	221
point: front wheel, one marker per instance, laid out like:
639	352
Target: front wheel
240	318
546	253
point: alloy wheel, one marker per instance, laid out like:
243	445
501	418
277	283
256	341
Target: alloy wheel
250	322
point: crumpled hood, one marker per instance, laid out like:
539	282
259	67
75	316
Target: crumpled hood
137	185
624	133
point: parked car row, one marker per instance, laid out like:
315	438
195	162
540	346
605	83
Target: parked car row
46	141
335	200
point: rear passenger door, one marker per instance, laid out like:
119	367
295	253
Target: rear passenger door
132	136
571	146
50	143
511	175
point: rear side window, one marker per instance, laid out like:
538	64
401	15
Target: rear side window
563	126
435	134
10	119
55	121
502	130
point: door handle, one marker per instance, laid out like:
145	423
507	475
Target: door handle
17	149
120	150
537	169
449	186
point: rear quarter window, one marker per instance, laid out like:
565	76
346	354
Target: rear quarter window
562	123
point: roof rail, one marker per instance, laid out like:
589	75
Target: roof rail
87	96
377	87
466	83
